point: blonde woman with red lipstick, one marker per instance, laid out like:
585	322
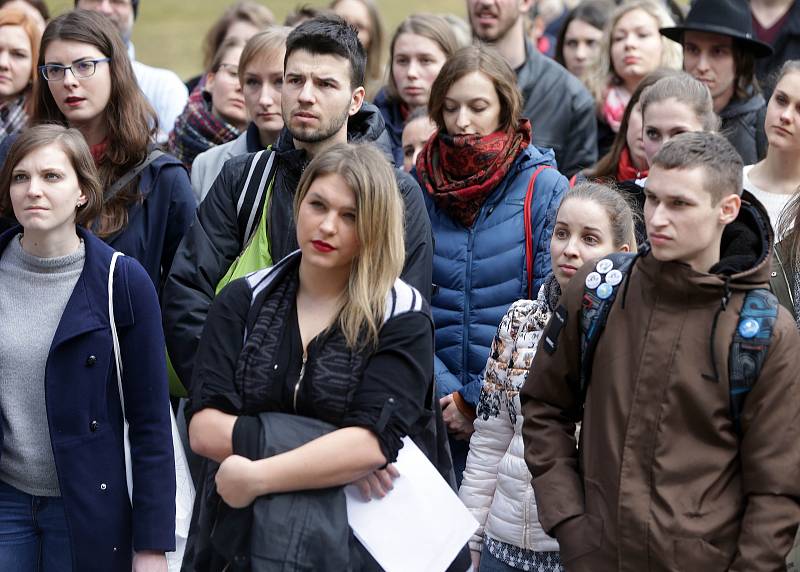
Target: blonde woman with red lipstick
328	353
592	221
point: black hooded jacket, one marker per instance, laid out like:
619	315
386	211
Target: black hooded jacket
215	239
743	126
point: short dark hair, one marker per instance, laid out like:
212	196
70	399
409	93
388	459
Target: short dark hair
330	35
711	152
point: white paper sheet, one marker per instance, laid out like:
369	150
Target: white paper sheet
420	525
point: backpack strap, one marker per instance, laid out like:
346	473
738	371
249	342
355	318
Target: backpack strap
253	193
600	290
749	348
529	227
125	179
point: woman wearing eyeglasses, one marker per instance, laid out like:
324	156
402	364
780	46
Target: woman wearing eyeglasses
215	113
87	83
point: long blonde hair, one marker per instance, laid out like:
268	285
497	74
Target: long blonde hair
379	227
601	74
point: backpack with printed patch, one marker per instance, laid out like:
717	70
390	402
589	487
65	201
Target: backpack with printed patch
748	350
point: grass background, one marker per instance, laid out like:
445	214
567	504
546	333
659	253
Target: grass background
169	33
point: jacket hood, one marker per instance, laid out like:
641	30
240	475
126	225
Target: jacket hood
738	107
534	156
746	246
366	126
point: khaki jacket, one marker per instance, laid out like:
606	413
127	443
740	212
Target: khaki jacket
660	481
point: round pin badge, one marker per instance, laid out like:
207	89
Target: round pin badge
604	266
604	291
748	328
614	277
593	280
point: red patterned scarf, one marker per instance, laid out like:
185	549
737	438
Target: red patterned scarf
461	171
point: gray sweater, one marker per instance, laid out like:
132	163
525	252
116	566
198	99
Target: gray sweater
33	295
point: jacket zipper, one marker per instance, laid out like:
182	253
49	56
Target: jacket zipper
299	381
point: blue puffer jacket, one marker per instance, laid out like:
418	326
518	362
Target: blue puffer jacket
480	271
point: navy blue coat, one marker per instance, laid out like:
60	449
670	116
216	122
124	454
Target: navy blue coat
85	417
390	110
157	224
478	272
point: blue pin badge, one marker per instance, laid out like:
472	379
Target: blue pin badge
604	291
748	328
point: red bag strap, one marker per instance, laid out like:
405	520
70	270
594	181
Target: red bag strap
529	228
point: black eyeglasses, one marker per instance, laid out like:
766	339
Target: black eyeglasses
80	70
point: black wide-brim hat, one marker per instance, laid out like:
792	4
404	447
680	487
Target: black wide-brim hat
725	17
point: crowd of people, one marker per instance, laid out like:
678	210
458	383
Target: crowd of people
554	244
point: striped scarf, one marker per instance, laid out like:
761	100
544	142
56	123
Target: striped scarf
198	129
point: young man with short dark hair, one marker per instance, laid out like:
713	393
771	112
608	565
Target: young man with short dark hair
322	104
722	54
680	467
556	102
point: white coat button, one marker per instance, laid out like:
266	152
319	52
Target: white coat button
103	486
774	274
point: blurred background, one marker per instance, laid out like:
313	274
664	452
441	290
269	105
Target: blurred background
169	33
